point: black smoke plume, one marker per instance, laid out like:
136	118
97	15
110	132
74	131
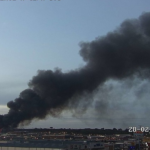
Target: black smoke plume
120	54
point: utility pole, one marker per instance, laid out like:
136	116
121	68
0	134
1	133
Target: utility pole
139	138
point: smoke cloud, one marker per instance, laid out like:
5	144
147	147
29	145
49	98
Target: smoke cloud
123	54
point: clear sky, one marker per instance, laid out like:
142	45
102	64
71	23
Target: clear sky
43	35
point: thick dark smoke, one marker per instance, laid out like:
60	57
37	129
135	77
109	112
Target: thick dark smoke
120	54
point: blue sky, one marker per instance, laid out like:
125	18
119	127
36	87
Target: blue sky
43	35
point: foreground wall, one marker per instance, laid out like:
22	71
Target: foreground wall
28	148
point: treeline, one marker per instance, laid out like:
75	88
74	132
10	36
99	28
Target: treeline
85	131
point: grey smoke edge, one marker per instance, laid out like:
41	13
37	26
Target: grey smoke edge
121	54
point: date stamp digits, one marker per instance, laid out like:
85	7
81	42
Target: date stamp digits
142	129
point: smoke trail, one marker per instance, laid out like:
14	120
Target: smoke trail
121	54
